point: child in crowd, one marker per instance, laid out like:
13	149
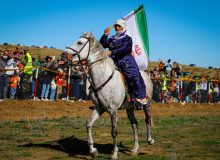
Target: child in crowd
53	90
14	80
58	80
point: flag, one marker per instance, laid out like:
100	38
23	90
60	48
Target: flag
137	29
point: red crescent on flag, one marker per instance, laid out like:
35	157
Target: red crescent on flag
137	49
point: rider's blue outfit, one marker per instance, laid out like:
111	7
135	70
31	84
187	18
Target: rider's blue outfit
121	47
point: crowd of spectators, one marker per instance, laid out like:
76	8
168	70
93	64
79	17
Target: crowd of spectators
171	84
18	78
46	79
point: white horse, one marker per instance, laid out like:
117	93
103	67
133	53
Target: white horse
107	90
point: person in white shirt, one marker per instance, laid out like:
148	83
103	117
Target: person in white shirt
10	67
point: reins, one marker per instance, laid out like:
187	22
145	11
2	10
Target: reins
90	66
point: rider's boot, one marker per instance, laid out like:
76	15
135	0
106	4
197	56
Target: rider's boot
139	105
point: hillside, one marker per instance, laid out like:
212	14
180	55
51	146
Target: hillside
213	73
34	50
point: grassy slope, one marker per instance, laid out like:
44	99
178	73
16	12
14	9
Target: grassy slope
48	51
34	50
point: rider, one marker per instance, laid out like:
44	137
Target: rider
120	49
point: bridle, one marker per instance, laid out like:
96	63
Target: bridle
78	52
80	62
95	90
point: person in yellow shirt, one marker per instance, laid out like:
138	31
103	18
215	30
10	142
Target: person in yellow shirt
26	76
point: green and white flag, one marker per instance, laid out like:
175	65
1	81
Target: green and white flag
137	28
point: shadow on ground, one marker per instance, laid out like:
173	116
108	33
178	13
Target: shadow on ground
74	146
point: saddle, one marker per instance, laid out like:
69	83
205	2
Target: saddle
127	95
129	102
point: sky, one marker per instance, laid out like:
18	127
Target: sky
185	31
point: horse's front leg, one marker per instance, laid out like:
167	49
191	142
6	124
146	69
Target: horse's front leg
134	124
114	135
95	115
150	140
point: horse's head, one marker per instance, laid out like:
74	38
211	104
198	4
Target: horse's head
84	48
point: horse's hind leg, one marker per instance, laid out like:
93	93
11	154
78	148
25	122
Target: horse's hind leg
133	120
90	122
114	135
150	140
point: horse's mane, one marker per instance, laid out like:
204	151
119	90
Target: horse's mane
97	47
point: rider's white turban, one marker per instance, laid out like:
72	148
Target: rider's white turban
121	23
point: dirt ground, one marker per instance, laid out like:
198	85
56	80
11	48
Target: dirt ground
196	131
19	109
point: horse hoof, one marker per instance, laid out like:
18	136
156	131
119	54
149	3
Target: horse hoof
94	153
134	153
151	141
114	158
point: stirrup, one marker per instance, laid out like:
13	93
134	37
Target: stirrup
138	106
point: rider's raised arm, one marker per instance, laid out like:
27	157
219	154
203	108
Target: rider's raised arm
105	41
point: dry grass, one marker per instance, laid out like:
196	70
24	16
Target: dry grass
56	130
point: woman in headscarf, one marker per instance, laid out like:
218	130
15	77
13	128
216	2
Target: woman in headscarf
120	49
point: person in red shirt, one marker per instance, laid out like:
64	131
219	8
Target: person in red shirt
59	82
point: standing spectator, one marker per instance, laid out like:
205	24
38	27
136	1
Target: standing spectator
178	69
203	90
76	79
168	67
40	63
162	68
157	89
18	53
59	83
10	67
46	79
172	88
53	89
64	87
155	71
14	80
2	74
25	84
164	89
215	93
